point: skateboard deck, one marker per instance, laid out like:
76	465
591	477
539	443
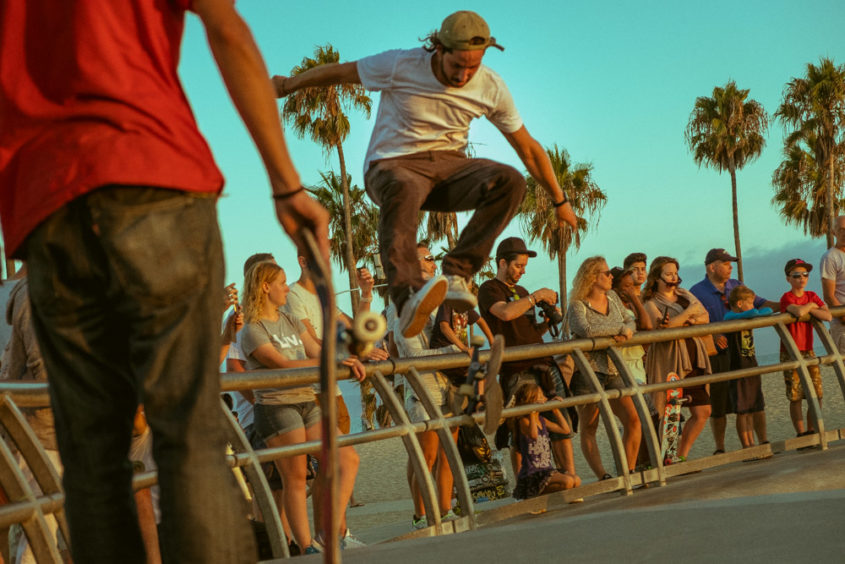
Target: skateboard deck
482	385
671	421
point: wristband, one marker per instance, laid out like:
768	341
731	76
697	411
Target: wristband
532	300
367	300
286	195
563	201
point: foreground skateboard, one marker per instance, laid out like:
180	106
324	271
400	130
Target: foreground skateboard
671	421
482	386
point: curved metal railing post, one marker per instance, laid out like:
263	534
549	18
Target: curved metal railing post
260	487
833	351
609	420
444	434
412	446
650	436
815	412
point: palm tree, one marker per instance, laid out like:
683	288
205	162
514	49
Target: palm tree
364	237
726	132
814	108
800	188
319	112
442	225
537	212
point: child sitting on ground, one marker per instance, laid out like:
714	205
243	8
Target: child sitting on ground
798	302
536	474
749	391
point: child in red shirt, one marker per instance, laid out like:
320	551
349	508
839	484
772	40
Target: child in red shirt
798	302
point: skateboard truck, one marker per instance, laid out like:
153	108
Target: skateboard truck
367	329
482	386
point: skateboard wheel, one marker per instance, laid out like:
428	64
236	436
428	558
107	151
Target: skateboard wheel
369	327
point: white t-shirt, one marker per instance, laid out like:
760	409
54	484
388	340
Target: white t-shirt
418	113
833	268
244	409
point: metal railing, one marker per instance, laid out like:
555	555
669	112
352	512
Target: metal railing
29	509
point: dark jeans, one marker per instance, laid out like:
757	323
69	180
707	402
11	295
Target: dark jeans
443	181
125	286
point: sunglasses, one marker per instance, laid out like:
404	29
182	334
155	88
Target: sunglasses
797	275
428	258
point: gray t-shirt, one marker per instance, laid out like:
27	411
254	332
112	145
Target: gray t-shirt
284	335
418	113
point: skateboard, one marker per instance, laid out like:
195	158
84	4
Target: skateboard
482	385
671	421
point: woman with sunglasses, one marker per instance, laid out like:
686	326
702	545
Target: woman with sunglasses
596	311
669	305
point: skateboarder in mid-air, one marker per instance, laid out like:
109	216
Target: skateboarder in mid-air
417	157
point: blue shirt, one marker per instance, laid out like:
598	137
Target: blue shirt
716	302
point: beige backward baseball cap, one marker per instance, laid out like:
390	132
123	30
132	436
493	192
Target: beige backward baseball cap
466	31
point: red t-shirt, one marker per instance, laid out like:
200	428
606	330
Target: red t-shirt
90	96
802	332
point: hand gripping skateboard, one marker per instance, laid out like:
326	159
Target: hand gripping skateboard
671	421
482	385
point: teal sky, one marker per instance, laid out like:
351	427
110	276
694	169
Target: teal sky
611	82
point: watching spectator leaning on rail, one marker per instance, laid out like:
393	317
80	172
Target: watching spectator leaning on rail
635	264
537	474
509	310
440	389
244	406
234	322
749	391
596	311
798	301
713	292
417	157
287	416
303	305
625	286
109	192
832	272
670	306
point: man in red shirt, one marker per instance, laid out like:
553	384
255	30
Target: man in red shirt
799	302
108	191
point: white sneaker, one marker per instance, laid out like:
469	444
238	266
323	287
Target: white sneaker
420	304
450	516
350	541
459	298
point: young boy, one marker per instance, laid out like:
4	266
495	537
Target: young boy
798	302
741	352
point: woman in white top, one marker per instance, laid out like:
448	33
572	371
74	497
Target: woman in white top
287	416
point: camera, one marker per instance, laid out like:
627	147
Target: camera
550	312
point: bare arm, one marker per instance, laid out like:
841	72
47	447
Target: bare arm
821	313
508	311
485	329
529	425
323	75
446	329
537	162
829	294
245	75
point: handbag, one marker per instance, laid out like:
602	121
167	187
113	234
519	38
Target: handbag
473	445
709	345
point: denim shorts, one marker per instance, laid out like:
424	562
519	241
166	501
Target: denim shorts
580	384
274	420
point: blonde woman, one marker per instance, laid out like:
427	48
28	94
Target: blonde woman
596	311
287	416
669	305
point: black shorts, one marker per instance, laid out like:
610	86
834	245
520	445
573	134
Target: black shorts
722	394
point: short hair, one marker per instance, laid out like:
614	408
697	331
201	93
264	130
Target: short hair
632	258
509	257
256	258
740	293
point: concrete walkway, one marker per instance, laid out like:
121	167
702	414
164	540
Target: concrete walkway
789	508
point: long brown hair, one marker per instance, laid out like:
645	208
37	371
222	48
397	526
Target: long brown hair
654	273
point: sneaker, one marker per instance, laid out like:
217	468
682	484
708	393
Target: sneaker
418	307
450	516
419	522
459	298
314	548
350	541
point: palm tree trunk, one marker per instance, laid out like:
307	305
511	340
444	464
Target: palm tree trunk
736	224
561	273
831	213
347	223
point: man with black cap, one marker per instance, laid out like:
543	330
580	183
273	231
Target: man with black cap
509	310
417	157
713	294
